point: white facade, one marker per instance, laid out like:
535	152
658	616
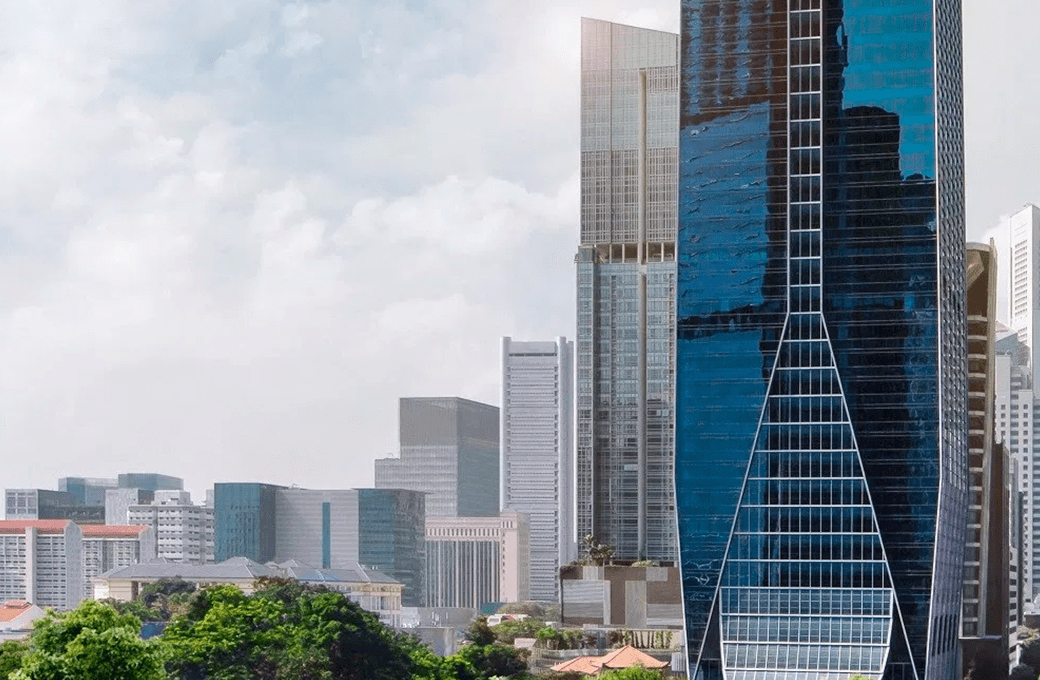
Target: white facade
474	560
1025	268
184	532
538	455
109	547
40	562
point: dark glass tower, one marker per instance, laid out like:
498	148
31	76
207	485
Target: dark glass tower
821	460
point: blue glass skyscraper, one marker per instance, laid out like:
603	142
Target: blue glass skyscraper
821	460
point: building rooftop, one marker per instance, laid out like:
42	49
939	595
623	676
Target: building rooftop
110	531
352	574
236	568
12	609
43	526
625	657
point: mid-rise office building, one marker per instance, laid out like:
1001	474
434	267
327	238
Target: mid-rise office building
184	532
87	491
118	502
109	547
244	520
37	504
449	450
473	561
821	455
381	529
626	290
538	455
149	481
42	562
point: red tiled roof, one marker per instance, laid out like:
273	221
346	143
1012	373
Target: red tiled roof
111	531
629	656
626	657
11	610
44	526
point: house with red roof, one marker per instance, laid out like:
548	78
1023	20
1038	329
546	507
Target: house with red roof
16	619
625	657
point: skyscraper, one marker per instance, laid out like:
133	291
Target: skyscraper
626	290
537	453
1024	233
244	520
449	450
821	457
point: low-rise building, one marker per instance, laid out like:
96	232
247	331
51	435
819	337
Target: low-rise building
632	597
16	619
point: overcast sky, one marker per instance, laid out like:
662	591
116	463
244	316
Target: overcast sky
234	233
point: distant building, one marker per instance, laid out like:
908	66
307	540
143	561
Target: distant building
149	481
37	504
244	520
629	597
471	561
184	532
118	502
89	491
449	450
108	547
537	453
381	529
41	562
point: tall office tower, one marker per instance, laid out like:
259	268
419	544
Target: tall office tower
449	449
821	454
626	290
1017	410
107	547
537	454
985	601
392	538
471	561
184	532
1024	233
41	562
244	520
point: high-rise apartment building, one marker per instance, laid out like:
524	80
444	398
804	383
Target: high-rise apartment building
821	455
184	532
626	290
538	455
42	562
110	547
471	561
449	450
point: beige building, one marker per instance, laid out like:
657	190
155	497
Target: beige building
471	561
371	590
107	547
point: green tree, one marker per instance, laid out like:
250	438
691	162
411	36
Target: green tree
92	641
12	656
1022	672
1030	652
480	633
499	661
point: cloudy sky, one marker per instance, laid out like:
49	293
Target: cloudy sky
234	233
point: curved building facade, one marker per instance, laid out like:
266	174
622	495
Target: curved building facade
821	436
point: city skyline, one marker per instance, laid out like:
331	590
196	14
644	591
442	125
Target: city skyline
188	265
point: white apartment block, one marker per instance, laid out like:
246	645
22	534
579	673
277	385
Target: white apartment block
537	453
109	547
474	560
184	532
1024	232
41	562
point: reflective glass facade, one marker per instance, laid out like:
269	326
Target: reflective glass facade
625	355
821	465
392	538
244	520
